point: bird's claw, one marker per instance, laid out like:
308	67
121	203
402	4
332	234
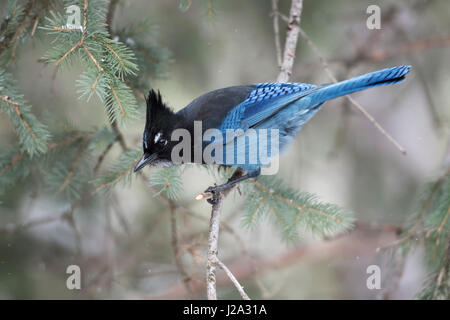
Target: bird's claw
214	190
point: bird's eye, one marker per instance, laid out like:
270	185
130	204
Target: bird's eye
162	141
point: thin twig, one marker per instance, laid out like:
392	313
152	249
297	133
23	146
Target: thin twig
213	240
363	240
22	21
17	38
213	237
35	24
16	106
233	279
223	224
285	73
72	168
291	41
353	101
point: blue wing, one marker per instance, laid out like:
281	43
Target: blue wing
269	98
287	106
263	102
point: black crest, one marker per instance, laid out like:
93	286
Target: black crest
156	110
160	121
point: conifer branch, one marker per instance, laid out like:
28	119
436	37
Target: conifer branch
19	156
92	57
435	237
107	46
17	38
17	17
64	29
65	55
72	169
16	106
120	171
112	60
32	134
290	202
428	200
292	209
118	177
15	160
439	229
116	98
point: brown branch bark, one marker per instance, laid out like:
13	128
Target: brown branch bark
291	41
212	260
284	76
233	279
213	240
22	20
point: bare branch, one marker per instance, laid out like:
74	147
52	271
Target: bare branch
291	41
233	279
213	240
363	240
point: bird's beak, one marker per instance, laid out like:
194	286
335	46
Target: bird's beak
145	160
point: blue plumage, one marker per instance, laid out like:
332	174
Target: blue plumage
253	114
287	106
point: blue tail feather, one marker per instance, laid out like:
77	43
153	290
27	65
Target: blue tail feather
369	80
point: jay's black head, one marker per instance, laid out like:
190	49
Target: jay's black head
159	124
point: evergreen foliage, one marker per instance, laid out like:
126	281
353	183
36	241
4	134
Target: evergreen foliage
120	172
117	69
33	135
106	62
65	156
169	181
291	209
430	228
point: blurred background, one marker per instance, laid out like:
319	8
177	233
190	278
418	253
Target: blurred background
124	243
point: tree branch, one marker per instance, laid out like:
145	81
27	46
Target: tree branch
363	240
291	41
213	240
233	279
285	73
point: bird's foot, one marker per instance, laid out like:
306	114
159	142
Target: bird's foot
215	192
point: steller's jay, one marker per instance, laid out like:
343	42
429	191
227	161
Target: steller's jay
281	106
